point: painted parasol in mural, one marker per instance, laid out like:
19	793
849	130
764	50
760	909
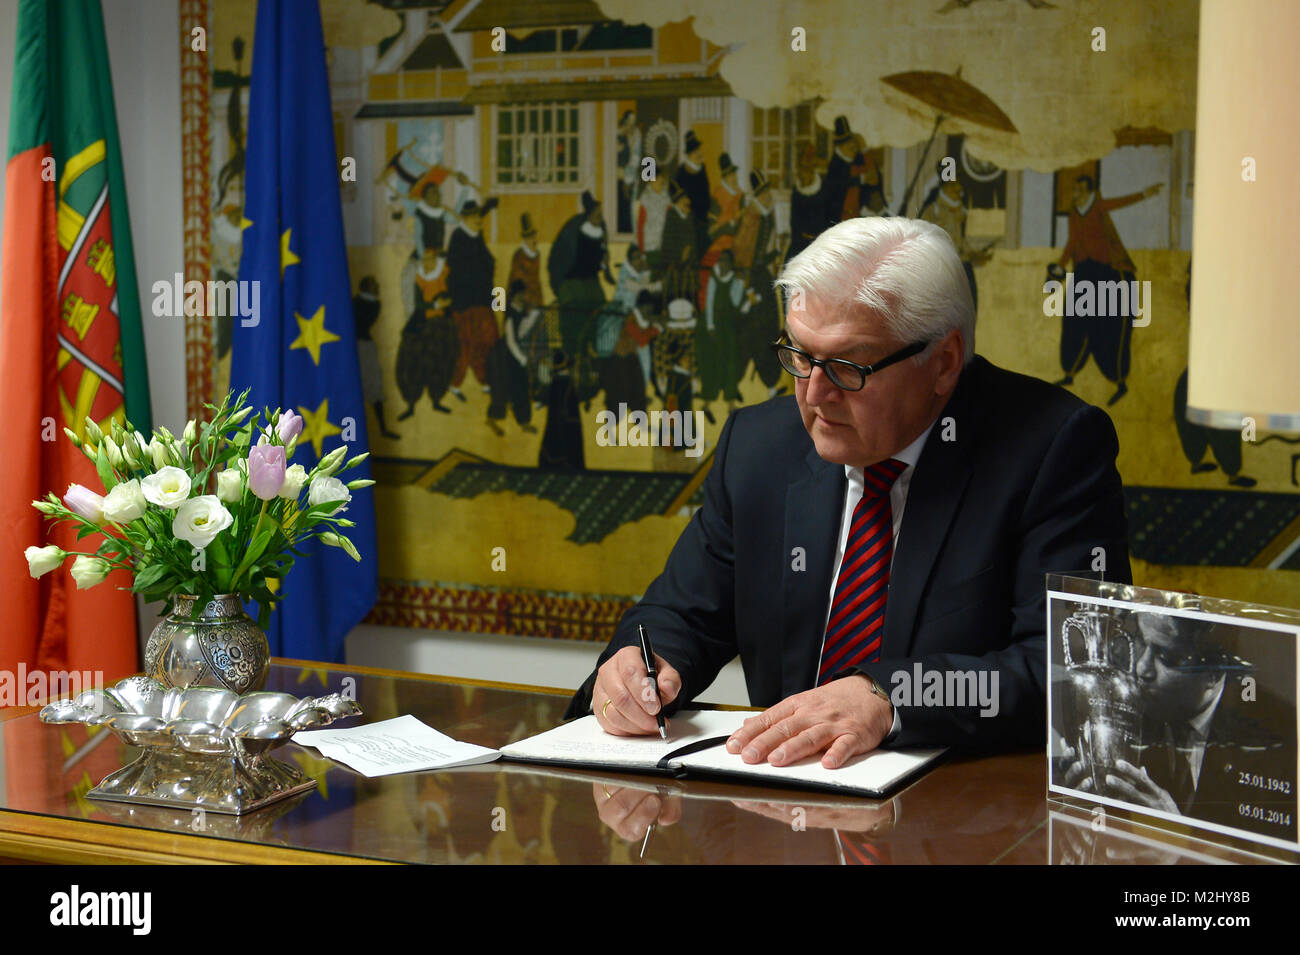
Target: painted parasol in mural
952	98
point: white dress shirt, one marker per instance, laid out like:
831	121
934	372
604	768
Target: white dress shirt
897	501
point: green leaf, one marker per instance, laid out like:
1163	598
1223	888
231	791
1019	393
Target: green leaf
254	551
219	563
101	466
149	576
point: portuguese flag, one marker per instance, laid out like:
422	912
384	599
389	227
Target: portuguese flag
70	337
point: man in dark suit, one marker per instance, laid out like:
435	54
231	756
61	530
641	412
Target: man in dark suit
953	486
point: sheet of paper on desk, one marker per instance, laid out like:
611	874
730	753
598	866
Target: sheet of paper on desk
401	745
583	741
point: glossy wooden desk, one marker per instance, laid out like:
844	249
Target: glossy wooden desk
989	810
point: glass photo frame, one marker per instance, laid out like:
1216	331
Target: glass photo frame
1174	710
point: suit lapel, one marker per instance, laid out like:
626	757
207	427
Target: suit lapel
938	483
813	508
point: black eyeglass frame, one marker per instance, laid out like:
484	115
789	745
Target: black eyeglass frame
783	347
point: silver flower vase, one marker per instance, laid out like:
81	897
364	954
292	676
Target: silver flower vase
222	647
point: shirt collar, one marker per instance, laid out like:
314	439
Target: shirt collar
909	455
1200	723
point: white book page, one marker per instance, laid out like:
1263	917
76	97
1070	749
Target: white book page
583	741
871	772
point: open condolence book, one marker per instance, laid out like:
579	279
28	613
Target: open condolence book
696	746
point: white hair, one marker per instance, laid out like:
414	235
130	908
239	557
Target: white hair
905	270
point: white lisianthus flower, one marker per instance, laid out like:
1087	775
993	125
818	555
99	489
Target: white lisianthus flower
125	502
158	451
113	453
230	485
191	431
42	560
295	476
329	489
89	571
200	519
168	488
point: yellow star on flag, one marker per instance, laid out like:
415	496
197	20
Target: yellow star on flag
312	334
244	223
77	798
287	258
316	768
316	426
321	673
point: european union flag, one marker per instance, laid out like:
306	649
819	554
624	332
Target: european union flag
301	355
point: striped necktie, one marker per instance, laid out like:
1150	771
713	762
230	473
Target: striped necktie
857	620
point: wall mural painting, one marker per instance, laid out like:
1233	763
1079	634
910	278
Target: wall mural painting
563	235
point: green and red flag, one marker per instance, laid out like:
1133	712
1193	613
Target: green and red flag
71	344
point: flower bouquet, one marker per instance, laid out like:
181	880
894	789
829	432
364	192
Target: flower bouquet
216	515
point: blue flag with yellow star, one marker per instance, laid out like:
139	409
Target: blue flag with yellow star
301	353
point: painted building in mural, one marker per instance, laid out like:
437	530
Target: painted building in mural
563	226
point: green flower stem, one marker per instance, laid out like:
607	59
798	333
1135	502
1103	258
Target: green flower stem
258	525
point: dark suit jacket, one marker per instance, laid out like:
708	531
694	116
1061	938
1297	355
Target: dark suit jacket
1027	487
1255	738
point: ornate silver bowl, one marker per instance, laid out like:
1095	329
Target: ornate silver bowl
203	747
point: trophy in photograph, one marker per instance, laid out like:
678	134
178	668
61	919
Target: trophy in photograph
1102	718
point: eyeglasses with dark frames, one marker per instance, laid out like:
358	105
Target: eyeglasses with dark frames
843	373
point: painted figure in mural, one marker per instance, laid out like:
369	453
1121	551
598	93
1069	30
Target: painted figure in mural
227	245
562	440
674	362
693	177
717	349
624	371
808	216
756	253
840	172
1098	255
866	193
634	277
628	157
415	183
507	362
724	212
946	208
526	265
679	250
470	266
578	257
651	213
429	348
433	220
365	314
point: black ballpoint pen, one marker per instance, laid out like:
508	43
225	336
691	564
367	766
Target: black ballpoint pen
648	654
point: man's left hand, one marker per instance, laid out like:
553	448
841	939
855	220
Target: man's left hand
842	718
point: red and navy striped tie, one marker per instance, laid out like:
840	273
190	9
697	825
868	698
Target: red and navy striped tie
857	620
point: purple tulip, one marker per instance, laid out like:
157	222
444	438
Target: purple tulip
85	503
290	426
266	470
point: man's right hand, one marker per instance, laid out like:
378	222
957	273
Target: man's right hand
623	698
